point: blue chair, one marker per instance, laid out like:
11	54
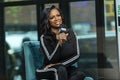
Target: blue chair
34	59
31	50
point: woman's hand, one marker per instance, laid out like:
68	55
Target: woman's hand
62	36
50	65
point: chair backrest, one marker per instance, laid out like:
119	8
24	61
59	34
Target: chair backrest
33	58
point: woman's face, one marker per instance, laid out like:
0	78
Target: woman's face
55	18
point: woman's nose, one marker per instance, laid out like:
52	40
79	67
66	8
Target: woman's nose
56	18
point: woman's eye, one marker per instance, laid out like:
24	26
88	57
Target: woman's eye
51	17
58	15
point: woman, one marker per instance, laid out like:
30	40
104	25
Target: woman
59	45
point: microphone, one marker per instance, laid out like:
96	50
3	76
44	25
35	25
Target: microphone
62	29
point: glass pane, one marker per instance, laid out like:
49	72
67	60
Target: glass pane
83	22
20	26
50	4
111	44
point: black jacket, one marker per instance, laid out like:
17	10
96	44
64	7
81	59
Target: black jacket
67	54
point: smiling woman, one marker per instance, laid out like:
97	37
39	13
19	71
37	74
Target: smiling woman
60	48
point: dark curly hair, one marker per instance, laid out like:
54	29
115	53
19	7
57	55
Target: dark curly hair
44	22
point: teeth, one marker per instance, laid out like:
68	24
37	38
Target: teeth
57	23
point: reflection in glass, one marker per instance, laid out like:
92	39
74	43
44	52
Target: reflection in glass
110	41
20	26
83	22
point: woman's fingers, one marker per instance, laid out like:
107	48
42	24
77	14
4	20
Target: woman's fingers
63	36
50	65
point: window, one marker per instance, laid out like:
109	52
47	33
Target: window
20	25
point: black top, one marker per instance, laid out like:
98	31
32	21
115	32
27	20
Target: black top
67	54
